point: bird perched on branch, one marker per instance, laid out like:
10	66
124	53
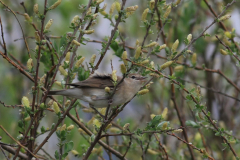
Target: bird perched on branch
92	90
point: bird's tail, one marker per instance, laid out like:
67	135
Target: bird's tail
56	92
72	92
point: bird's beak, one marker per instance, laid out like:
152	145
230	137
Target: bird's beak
141	78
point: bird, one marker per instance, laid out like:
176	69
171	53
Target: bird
92	90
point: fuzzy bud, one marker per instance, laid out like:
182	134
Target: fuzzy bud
92	60
152	4
142	92
178	130
89	12
104	13
50	103
58	83
74	152
162	46
107	89
124	57
79	62
223	18
112	8
63	127
177	2
152	64
151	44
145	62
137	42
94	16
48	25
194	58
167	12
26	16
108	126
138	52
175	46
152	152
104	7
88	31
114	130
69	128
67	103
144	15
118	6
126	126
123	68
25	102
223	52
189	38
132	8
178	68
99	1
67	58
97	123
37	37
27	119
55	4
114	75
42	79
164	113
81	131
152	116
228	34
35	9
88	110
154	75
56	108
165	125
30	64
75	20
76	42
62	71
165	65
102	111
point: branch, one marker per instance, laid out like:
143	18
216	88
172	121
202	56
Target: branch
110	39
202	33
19	25
4	44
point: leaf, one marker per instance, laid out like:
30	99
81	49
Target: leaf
160	125
82	74
43	129
46	60
68	147
154	122
56	154
192	124
64	155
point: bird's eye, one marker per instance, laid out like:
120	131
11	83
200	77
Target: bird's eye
133	77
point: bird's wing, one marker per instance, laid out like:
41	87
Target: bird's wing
96	81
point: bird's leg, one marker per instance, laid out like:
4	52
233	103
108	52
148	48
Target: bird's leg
96	110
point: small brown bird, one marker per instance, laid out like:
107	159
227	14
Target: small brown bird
92	90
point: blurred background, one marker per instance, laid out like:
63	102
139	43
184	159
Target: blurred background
191	16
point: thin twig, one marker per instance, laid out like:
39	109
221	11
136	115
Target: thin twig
111	37
4	153
17	141
227	47
194	100
19	25
202	33
4	44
